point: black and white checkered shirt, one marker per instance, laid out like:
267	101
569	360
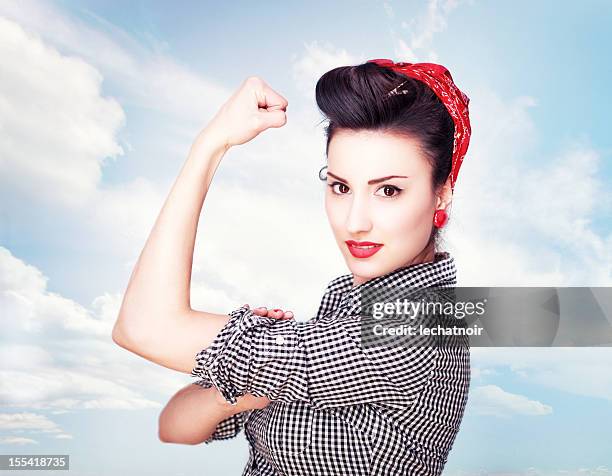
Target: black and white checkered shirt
338	407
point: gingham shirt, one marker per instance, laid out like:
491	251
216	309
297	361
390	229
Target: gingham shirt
337	407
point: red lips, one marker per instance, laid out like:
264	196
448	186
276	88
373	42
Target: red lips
362	243
358	251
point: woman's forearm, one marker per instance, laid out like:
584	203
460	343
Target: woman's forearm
192	414
158	289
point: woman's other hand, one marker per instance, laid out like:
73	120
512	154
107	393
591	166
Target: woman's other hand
246	402
252	109
276	313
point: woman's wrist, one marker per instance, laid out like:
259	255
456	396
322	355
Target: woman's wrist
222	406
205	155
212	140
244	403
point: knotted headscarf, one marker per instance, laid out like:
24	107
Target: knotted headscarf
439	79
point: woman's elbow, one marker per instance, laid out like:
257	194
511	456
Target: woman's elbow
178	441
118	335
166	437
166	434
131	325
122	337
130	336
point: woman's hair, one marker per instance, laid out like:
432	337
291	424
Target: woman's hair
354	98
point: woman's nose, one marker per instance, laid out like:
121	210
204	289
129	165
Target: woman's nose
358	219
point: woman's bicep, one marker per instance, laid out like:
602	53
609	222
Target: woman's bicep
175	345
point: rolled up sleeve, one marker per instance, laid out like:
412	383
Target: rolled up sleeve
320	362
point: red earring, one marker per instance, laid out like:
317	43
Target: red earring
440	218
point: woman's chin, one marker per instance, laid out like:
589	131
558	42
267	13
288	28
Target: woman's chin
364	270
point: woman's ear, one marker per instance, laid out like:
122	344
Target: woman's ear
445	195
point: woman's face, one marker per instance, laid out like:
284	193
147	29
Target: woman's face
396	213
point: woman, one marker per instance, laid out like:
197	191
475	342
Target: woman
310	397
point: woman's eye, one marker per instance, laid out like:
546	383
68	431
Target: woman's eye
342	186
390	190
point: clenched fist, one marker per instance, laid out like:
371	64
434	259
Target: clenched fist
252	109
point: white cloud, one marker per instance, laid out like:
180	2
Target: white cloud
30	423
421	32
480	373
388	9
317	58
28	307
122	215
57	129
27	421
494	401
17	440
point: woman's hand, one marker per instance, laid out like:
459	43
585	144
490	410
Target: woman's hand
252	109
246	402
276	313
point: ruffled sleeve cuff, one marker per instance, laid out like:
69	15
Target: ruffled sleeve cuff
243	347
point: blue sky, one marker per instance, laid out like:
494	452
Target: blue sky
99	104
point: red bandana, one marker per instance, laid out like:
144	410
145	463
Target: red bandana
439	79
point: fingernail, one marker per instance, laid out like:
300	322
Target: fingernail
277	310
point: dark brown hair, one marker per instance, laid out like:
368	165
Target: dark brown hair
354	98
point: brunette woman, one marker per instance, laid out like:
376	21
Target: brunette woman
311	399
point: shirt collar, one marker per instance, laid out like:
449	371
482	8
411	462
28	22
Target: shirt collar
439	272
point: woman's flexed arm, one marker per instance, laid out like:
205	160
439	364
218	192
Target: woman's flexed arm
156	320
155	316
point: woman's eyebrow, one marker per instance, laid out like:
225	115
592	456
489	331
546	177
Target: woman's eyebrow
370	182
